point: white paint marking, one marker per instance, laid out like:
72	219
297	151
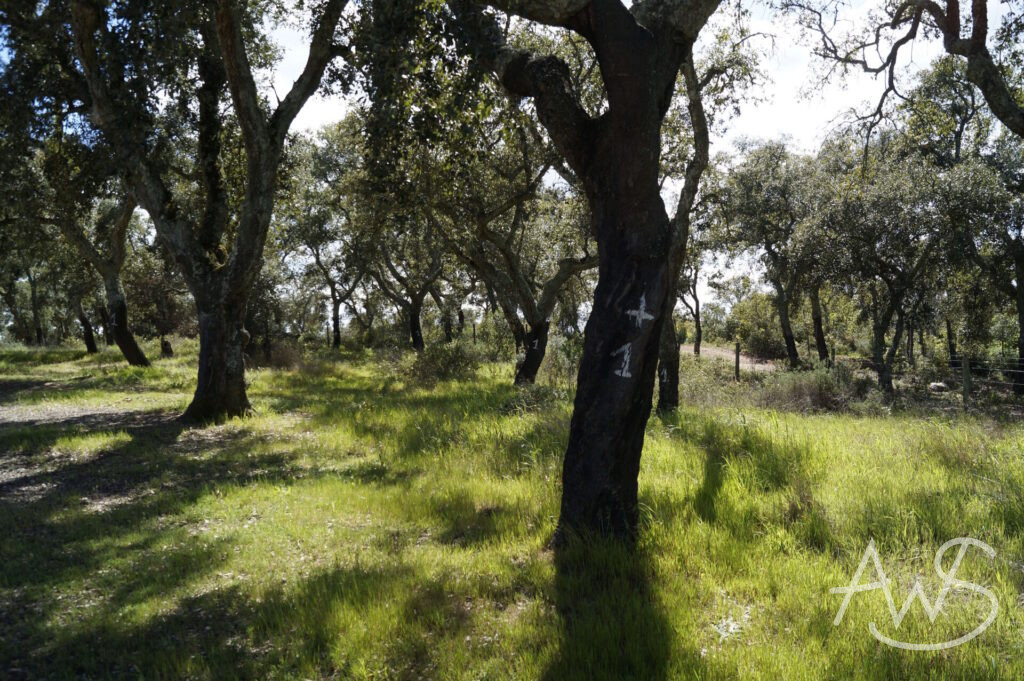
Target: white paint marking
626	350
640	315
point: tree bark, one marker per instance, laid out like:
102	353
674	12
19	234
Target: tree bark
536	342
37	323
668	368
117	309
415	329
336	322
782	305
220	392
101	312
819	327
698	328
954	360
911	359
1018	378
87	334
166	351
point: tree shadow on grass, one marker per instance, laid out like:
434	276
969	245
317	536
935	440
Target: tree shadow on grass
110	519
613	625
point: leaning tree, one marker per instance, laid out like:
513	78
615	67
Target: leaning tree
615	153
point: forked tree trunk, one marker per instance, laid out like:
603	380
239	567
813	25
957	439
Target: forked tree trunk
117	309
782	305
536	342
668	368
819	327
415	329
88	337
220	391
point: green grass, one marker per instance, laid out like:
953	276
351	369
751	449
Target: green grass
359	527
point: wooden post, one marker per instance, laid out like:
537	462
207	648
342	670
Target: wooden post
737	362
965	363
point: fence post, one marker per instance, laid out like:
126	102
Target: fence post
965	363
737	361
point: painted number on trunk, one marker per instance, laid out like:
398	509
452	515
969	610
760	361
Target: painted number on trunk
625	351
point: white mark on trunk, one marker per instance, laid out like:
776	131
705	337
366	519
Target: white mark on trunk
626	350
640	315
536	343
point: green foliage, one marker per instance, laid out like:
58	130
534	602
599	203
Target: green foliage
454	361
755	322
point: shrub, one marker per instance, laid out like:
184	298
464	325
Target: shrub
819	390
562	360
445	362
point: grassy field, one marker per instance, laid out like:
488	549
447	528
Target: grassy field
361	527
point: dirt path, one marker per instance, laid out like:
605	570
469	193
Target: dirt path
747	363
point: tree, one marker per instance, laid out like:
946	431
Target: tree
615	154
768	197
218	245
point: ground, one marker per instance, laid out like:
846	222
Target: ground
360	526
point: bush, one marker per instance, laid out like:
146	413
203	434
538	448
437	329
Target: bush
819	390
562	360
755	323
495	338
445	362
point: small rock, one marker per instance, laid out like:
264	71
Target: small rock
937	387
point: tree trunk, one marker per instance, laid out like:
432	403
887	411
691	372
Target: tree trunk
819	327
954	360
911	359
782	305
87	334
536	344
415	330
920	340
1018	378
336	322
101	312
446	326
668	368
117	308
620	357
698	328
166	351
37	323
462	321
220	391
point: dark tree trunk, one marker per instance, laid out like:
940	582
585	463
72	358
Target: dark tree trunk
920	340
698	328
462	321
819	326
536	342
87	334
911	359
668	368
336	322
954	359
884	355
166	351
446	326
101	312
1018	378
37	322
220	392
415	329
117	308
782	305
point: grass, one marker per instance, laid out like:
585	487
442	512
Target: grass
359	527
